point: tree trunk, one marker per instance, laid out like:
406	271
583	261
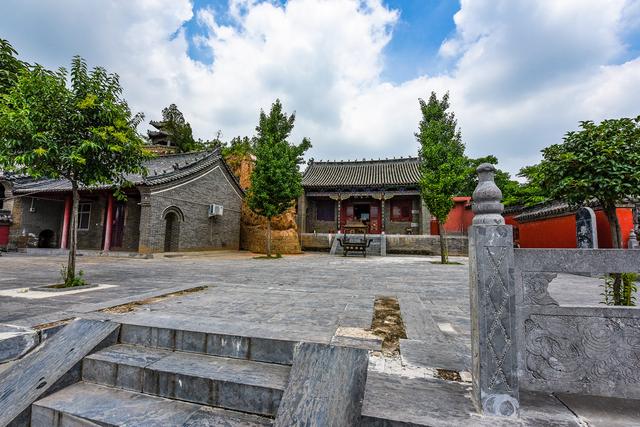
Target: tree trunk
268	237
73	240
614	226
616	240
444	249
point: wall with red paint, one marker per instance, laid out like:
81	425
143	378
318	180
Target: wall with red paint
560	231
4	235
459	218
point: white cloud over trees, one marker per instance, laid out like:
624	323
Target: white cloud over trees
521	73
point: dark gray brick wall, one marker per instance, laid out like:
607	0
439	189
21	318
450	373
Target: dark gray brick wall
47	216
193	197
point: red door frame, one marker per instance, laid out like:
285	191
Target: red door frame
375	222
4	234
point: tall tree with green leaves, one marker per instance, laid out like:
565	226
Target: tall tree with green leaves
179	130
276	181
514	193
82	131
10	66
599	162
443	164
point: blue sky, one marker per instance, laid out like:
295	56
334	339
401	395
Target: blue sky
520	73
412	51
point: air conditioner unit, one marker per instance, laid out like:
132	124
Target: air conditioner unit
215	210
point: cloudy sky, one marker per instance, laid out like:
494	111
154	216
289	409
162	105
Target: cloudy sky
520	72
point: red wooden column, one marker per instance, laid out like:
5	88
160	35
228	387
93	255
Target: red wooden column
109	224
65	223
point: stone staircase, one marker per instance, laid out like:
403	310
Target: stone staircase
166	377
376	248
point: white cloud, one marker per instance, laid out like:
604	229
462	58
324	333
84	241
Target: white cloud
522	72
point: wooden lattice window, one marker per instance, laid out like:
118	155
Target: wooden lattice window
325	210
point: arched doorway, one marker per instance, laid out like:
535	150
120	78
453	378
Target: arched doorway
172	218
46	239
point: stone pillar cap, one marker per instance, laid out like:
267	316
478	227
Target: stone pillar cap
486	197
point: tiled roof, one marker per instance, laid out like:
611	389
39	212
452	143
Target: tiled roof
160	170
364	173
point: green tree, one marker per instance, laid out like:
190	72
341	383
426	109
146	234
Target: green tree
83	132
599	162
179	129
238	146
514	193
502	178
10	66
443	164
532	191
212	144
276	181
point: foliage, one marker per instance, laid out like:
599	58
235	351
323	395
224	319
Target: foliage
212	144
179	130
532	191
276	181
10	66
69	281
238	146
84	132
601	162
629	289
514	193
443	165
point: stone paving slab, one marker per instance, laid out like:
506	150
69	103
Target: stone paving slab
296	298
604	411
436	352
436	403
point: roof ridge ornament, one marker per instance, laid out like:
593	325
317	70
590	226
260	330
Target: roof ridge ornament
486	197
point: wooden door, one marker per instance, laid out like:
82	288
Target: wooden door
117	226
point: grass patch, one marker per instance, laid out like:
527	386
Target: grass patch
446	263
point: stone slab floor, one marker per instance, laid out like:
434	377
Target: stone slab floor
304	297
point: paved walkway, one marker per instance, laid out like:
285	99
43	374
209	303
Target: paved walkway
306	297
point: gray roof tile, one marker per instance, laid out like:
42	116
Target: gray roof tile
160	170
365	173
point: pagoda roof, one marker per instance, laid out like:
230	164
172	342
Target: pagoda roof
362	173
159	170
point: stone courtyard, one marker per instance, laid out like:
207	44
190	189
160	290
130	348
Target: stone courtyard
312	298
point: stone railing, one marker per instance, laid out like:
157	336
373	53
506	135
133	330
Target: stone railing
586	350
521	337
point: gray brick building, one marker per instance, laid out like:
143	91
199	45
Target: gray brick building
185	202
382	194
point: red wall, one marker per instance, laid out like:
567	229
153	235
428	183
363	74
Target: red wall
458	220
560	231
4	235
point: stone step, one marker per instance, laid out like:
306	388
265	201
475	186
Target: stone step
185	335
242	385
85	404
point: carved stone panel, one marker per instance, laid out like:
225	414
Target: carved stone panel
582	354
586	232
535	288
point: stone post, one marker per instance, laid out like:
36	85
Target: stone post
492	291
633	240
